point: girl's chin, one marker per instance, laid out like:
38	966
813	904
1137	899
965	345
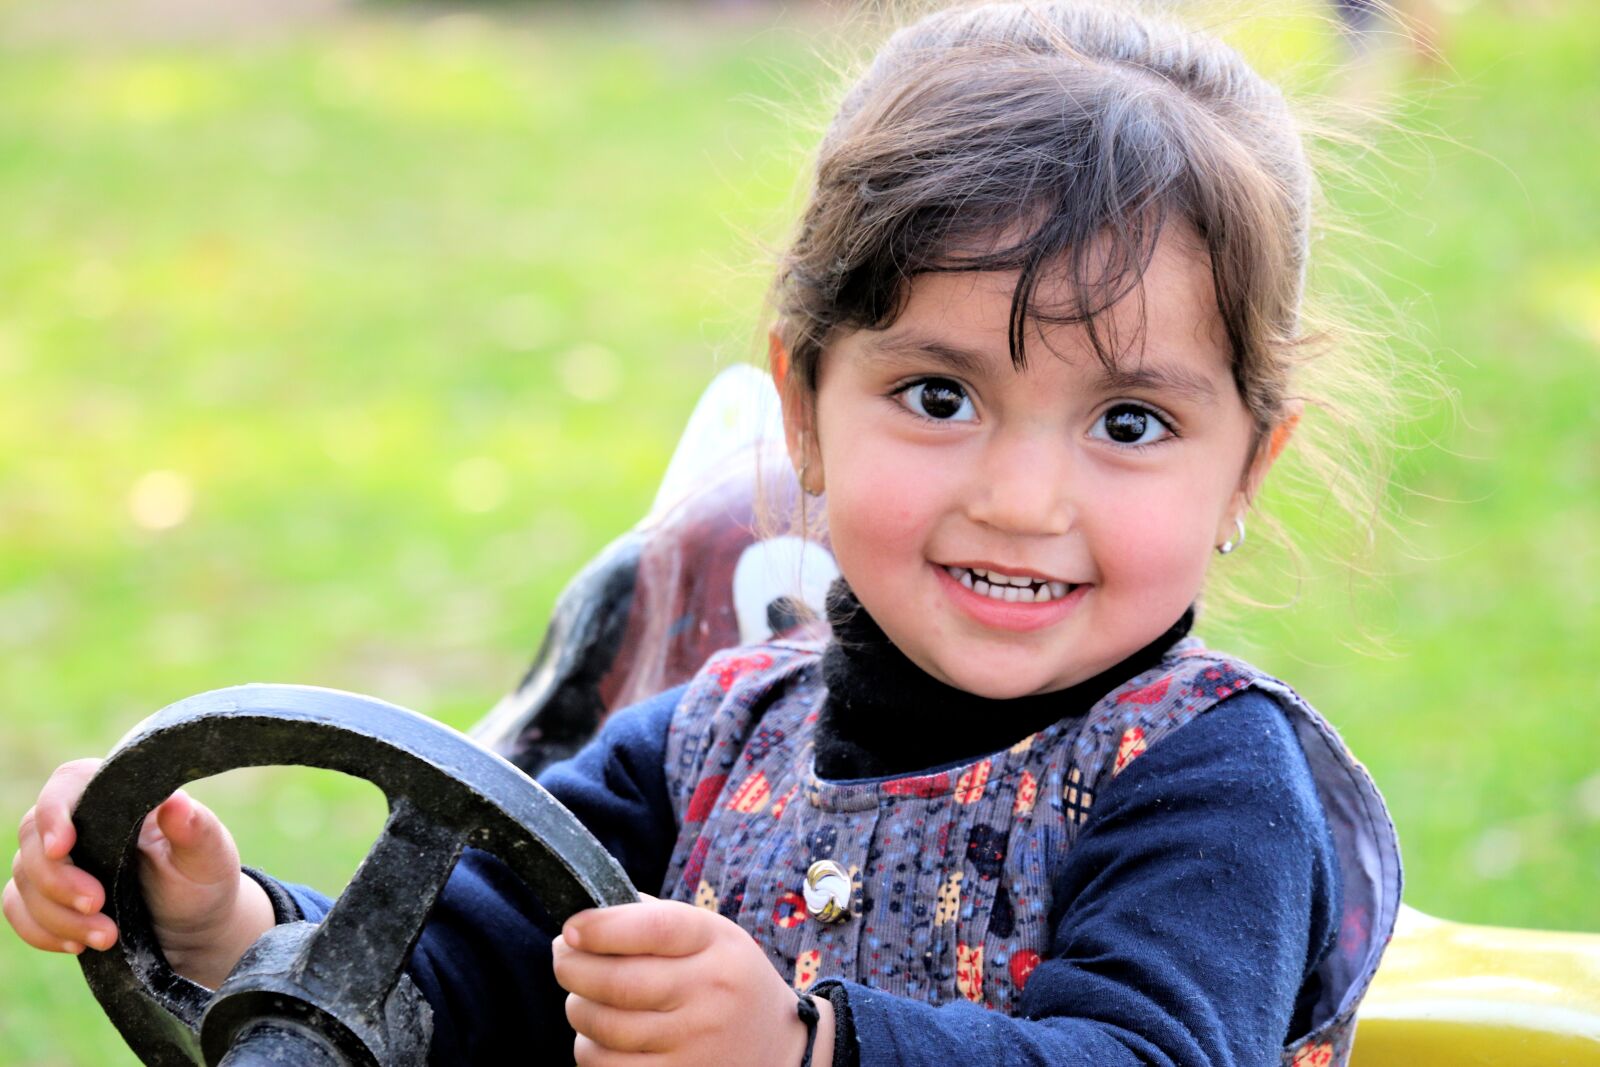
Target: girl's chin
1001	685
993	674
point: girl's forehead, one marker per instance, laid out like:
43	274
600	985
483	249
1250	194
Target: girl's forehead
1169	313
1175	283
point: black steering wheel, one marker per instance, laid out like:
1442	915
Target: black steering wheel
332	993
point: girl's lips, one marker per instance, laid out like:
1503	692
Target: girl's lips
1007	614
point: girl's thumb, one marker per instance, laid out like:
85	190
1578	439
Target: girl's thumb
200	847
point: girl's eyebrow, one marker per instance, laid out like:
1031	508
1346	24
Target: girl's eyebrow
1168	379
957	360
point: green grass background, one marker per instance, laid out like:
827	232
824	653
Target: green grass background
413	307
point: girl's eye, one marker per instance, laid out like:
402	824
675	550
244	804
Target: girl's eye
1131	424
939	398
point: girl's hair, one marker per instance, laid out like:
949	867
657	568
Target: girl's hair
1061	138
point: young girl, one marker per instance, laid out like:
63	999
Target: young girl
1036	343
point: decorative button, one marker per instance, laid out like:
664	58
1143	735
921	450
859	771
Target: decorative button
827	892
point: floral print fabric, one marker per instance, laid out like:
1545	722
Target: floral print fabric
951	869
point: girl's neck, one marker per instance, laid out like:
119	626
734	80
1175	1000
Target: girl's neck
885	715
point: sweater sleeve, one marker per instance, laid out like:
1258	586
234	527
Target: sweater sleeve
1188	917
483	959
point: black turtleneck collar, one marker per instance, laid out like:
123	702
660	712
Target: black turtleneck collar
885	715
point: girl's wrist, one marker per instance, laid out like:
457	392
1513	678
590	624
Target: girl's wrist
822	1049
816	1049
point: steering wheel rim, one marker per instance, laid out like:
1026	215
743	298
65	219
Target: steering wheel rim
445	794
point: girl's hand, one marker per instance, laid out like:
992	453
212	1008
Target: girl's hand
205	911
670	985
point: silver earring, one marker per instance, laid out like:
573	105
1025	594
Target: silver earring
804	467
1235	541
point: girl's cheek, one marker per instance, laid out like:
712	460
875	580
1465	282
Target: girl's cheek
880	499
871	528
1156	541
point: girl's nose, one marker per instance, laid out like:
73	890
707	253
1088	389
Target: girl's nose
1024	485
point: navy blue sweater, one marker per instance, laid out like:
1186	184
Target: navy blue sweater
1189	915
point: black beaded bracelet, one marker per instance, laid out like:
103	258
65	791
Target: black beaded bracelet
807	1008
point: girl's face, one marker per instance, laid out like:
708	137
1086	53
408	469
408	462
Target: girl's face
951	476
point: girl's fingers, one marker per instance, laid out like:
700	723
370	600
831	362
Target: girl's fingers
53	812
96	931
636	983
54	878
618	1030
151	831
199	848
22	922
648	928
588	1053
52	904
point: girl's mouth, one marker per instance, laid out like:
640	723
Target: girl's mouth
1015	589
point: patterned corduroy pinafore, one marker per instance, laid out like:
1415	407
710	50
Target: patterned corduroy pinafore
952	869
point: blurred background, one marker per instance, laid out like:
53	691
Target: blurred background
335	337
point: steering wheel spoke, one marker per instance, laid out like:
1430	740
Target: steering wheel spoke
361	945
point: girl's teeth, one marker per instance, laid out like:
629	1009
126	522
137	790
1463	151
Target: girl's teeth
996	578
1004	587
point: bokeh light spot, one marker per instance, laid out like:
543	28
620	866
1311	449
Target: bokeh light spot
590	372
1589	798
1497	852
160	500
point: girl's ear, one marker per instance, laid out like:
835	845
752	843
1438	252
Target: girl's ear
1281	434
799	429
1265	457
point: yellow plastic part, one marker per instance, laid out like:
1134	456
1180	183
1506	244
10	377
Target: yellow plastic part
1452	995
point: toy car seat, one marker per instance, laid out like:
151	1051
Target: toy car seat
713	564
